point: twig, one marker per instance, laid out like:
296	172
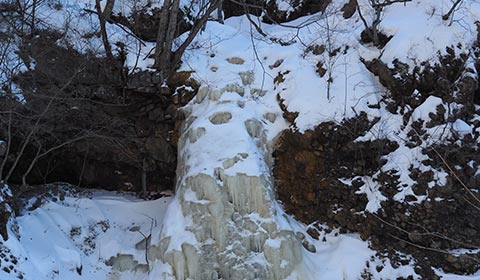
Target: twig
362	18
35	126
436	234
121	26
430	249
451	11
452	172
390	224
9	142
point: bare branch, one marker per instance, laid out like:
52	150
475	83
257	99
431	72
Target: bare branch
377	3
9	142
452	10
430	248
32	163
34	128
125	27
177	56
454	174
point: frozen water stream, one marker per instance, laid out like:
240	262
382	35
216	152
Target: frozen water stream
233	228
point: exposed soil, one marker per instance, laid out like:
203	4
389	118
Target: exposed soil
307	171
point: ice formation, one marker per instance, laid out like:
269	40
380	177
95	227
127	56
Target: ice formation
228	214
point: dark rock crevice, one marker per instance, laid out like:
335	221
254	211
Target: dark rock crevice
129	121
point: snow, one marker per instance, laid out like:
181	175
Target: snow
374	196
462	127
227	143
5	192
343	256
177	224
429	106
425	34
81	234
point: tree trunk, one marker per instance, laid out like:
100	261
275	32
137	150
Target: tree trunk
103	30
165	59
107	12
170	34
161	51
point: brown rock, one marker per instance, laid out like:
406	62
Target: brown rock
159	149
349	9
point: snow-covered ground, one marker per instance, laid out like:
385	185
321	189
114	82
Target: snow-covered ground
101	235
243	73
82	236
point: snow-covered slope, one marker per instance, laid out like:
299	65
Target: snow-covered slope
90	235
224	221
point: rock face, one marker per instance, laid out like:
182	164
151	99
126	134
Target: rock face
115	157
129	123
229	226
312	170
307	167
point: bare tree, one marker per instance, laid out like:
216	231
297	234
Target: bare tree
51	109
331	56
166	60
103	28
166	33
29	135
46	133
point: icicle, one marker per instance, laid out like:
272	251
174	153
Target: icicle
229	228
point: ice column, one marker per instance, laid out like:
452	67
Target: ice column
223	222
